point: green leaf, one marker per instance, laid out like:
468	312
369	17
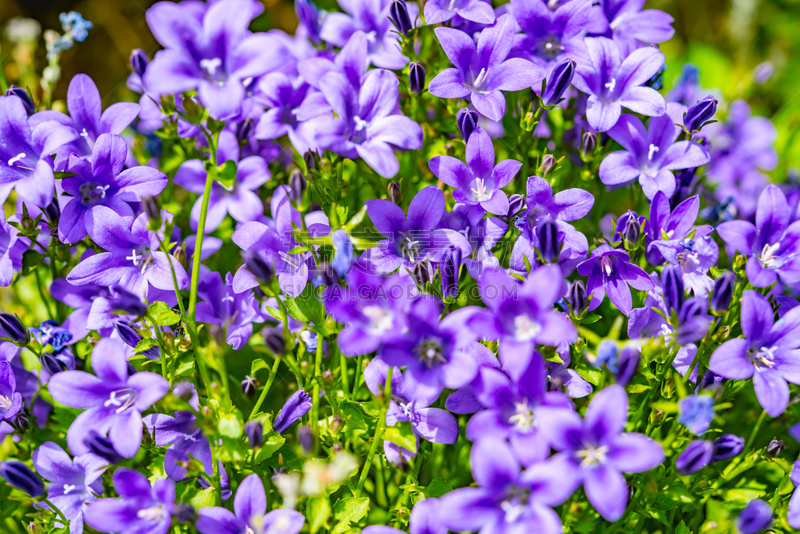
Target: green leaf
402	435
145	344
349	510
161	315
30	260
593	375
276	313
59	175
591	318
356	219
298	250
272	444
226	174
437	488
230	425
203	498
257	365
354	417
306	306
318	511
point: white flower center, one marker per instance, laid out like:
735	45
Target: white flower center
380	320
592	456
133	257
211	65
523	418
769	254
605	263
5	402
68	488
652	150
84	134
123	399
18	157
526	329
481	194
360	123
102	190
482	75
153	514
611	85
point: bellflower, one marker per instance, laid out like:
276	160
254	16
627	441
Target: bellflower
562	207
629	24
74	483
87	119
522	315
772	244
366	124
213	53
132	258
10	398
479	11
793	517
25	162
506	500
351	62
221	305
103	182
241	200
551	35
184	439
290	103
8	239
483	233
766	353
480	181
296	406
112	400
650	155
372	18
595	451
610	271
515	407
250	513
140	508
414	237
613	83
482	71
755	517
696	412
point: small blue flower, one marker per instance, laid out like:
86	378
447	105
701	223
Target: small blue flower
75	25
607	355
696	413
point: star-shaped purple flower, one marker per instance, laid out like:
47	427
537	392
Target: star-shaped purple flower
610	271
140	508
184	439
437	11
234	312
551	35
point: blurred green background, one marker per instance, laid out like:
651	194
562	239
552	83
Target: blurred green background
727	39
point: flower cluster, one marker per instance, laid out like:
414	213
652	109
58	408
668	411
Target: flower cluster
238	225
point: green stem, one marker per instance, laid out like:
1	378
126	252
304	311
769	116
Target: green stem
387	395
40	287
357	376
272	374
56	511
315	394
753	434
344	377
198	247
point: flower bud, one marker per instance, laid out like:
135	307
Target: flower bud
180	254
726	447
21	422
577	298
102	447
311	159
558	82
450	268
632	232
51	364
20	476
131	337
515	205
139	61
694	457
723	292
249	387
305	438
398	14
672	283
257	266
53	213
11	328
416	77
296	406
26	221
422	273
698	114
775	447
150	207
467	122
297	183
245	129
22	94
394	192
710	381
547	165
755	517
588	143
549	246
627	364
273	340
255	433
184	513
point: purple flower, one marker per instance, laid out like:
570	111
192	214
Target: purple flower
650	155
372	18
241	200
482	72
250	507
212	52
551	35
479	11
87	119
793	516
771	244
102	182
73	483
562	207
289	104
610	271
561	376
613	83
184	439
595	451
351	62
25	162
371	311
483	233
766	353
434	352
414	237
629	24
522	315
112	400
234	312
366	124
696	412
132	258
140	508
507	500
697	455
755	517
480	181
10	398
8	239
515	408
296	406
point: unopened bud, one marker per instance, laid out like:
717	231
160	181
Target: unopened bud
547	166
398	14
22	94
467	122
416	77
139	61
588	143
395	195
